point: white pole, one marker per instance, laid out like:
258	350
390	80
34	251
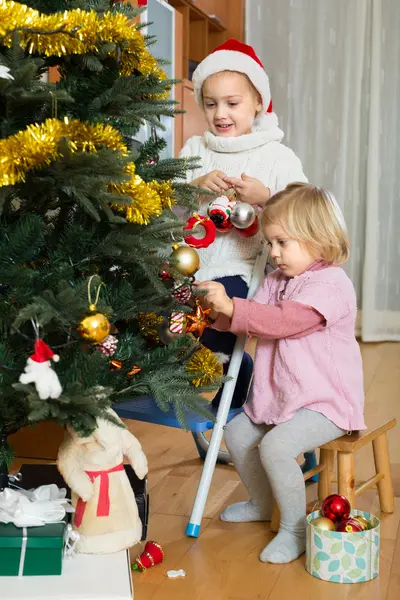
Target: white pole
193	527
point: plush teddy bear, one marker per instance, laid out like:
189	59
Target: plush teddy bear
106	514
39	372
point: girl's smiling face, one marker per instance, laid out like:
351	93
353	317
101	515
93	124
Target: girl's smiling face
231	104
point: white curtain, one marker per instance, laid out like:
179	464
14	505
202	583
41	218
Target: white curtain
334	68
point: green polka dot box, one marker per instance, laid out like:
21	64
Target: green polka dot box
343	557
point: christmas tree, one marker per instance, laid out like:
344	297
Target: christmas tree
86	224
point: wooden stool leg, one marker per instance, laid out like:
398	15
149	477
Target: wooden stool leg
326	459
382	465
345	462
275	518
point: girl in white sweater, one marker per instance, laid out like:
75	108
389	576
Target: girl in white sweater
242	150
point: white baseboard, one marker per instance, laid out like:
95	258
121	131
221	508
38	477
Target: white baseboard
387	327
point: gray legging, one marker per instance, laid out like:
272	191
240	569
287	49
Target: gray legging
265	458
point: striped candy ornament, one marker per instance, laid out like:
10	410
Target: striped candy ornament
177	322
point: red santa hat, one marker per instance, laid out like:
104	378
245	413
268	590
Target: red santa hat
43	353
234	56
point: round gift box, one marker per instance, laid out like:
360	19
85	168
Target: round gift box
343	557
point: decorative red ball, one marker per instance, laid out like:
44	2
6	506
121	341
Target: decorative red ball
336	507
165	275
349	526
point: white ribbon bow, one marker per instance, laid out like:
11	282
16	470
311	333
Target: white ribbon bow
34	508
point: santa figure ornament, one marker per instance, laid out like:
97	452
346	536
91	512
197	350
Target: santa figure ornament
219	211
38	371
226	213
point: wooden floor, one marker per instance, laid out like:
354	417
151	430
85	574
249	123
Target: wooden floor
223	564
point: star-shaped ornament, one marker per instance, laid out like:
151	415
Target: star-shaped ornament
198	321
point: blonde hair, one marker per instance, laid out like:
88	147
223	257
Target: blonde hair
311	216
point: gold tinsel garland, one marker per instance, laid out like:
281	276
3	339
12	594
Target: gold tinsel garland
165	191
39	145
80	32
205	362
147	202
148	326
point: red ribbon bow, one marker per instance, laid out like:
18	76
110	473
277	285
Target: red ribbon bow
103	505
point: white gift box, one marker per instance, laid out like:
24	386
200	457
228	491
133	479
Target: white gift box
84	577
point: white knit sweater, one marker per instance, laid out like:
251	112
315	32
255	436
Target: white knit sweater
259	154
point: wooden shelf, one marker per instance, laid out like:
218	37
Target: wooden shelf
200	26
203	28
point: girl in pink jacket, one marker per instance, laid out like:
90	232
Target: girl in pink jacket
308	381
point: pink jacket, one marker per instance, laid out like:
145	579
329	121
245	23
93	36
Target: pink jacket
307	355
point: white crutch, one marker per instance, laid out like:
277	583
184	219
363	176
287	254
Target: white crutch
193	527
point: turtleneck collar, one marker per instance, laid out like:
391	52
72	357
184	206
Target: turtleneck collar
266	130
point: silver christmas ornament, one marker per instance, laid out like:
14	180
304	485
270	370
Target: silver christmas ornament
243	215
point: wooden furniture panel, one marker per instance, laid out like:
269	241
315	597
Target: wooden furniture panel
198	42
194	122
40	442
219	8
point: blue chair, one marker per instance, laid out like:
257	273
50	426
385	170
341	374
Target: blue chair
145	409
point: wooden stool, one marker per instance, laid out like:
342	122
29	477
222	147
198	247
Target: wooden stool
346	447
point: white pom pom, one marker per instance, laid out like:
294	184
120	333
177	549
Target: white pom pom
222	358
56	358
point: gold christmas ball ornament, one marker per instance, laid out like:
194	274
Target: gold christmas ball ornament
185	260
323	523
362	521
94	328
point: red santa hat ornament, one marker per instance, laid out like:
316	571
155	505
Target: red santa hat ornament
43	353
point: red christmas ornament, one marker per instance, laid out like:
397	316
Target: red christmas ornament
142	2
219	211
336	507
349	526
209	228
250	231
165	275
152	555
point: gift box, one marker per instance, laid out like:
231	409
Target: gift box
84	577
34	475
32	550
343	557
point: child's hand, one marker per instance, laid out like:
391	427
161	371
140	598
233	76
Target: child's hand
216	298
214	182
249	189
